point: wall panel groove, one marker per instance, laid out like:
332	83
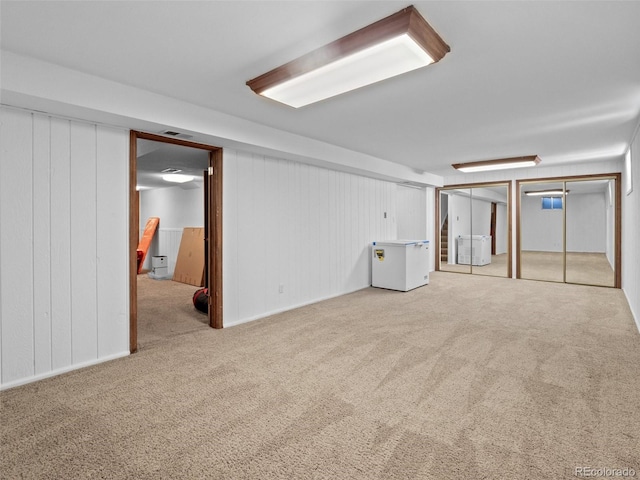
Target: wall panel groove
64	217
16	212
300	227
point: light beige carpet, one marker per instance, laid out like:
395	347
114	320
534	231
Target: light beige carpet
582	268
165	310
466	378
497	267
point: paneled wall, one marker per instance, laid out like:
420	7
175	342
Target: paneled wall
63	245
296	234
167	243
631	229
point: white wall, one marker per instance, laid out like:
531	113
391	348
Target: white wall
299	228
502	228
432	229
47	87
416	217
610	223
541	229
631	230
177	208
459	222
63	245
586	223
481	213
472	218
412	213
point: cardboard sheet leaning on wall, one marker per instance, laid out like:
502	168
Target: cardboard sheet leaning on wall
190	262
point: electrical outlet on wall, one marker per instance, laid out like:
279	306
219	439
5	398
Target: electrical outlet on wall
281	289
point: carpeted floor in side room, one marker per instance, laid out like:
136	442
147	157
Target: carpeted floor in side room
469	377
165	310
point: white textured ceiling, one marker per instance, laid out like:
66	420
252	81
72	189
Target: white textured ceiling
556	79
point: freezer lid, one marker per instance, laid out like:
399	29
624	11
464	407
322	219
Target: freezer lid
396	243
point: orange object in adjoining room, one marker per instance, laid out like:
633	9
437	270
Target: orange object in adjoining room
145	242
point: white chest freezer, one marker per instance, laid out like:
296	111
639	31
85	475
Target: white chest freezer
400	264
474	249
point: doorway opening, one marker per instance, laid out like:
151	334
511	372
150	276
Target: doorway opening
204	164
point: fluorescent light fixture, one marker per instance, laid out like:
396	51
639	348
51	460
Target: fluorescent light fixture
392	46
547	193
177	178
498	164
384	60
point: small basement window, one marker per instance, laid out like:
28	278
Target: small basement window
552	203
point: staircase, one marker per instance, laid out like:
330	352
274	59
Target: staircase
444	241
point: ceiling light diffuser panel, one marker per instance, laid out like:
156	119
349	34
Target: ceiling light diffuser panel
177	178
392	46
547	193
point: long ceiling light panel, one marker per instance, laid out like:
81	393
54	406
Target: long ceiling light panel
547	193
498	164
392	46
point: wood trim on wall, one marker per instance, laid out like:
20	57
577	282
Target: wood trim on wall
215	240
438	256
618	230
518	232
509	231
215	230
134	236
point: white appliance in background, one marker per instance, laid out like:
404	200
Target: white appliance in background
159	268
474	249
400	264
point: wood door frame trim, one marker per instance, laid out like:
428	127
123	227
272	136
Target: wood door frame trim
505	183
215	230
492	229
576	178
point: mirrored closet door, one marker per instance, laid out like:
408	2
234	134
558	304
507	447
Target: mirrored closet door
569	230
542	231
474	229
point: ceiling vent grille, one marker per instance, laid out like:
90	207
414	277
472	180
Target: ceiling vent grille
175	134
170	170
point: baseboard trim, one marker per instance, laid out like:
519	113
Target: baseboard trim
60	371
634	314
288	308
